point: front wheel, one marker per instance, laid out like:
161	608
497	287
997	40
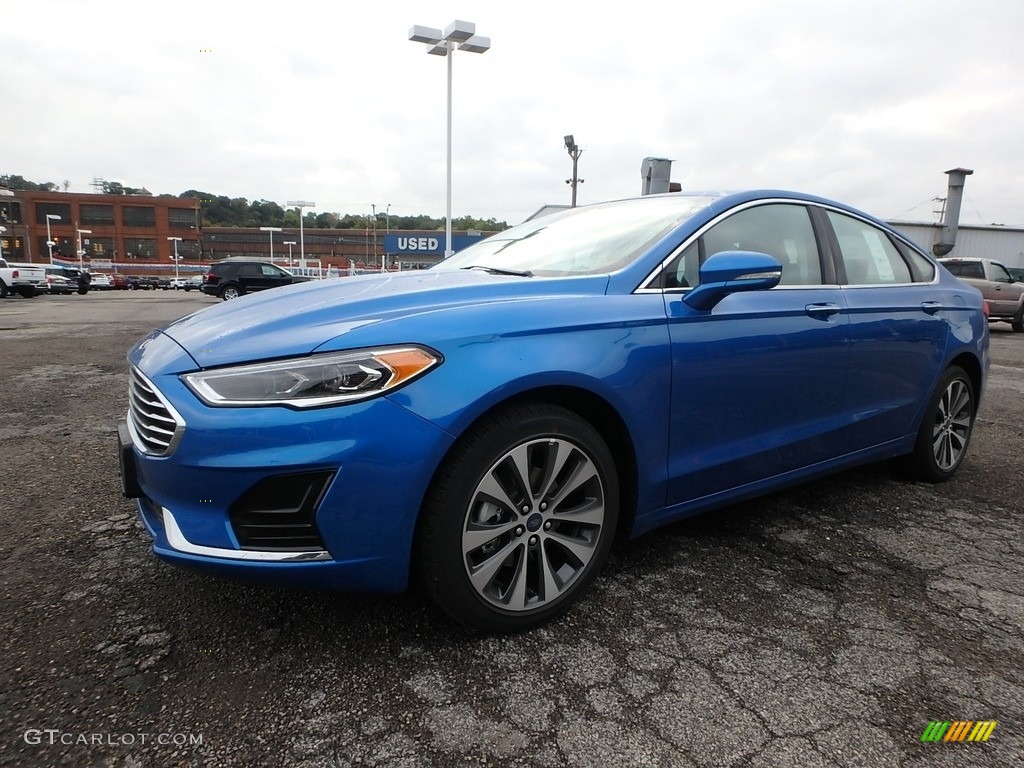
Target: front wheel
519	520
946	428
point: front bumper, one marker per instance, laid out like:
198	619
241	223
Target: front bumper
380	458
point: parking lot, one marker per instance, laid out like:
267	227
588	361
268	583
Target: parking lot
822	626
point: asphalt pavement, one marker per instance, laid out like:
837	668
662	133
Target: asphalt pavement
827	625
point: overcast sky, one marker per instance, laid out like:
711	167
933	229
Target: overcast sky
327	100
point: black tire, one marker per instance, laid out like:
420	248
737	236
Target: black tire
552	526
28	293
946	428
231	291
1018	322
4	290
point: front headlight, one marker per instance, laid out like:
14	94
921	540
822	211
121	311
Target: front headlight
305	382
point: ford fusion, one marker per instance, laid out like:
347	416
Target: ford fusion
486	429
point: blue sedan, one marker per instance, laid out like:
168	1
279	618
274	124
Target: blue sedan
486	429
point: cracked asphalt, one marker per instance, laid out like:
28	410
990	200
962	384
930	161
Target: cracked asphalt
822	626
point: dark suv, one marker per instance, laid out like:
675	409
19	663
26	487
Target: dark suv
232	278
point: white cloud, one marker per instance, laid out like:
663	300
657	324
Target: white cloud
868	102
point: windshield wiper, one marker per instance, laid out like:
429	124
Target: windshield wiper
500	271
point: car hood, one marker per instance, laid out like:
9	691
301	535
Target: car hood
297	319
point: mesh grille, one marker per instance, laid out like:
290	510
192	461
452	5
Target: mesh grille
156	428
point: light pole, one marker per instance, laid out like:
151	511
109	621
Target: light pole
374	207
441	43
574	153
289	243
2	230
49	237
81	250
302	243
271	230
387	232
176	240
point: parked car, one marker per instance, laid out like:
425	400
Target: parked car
1017	273
231	278
187	283
140	282
59	285
79	278
484	430
27	280
101	281
119	281
1004	294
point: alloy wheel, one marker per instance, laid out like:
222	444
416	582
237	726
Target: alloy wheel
952	425
533	524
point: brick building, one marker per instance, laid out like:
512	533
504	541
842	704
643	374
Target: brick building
134	234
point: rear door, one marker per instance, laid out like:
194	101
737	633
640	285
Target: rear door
899	326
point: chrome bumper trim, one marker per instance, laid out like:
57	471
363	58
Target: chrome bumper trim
178	541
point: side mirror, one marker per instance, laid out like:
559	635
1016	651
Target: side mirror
733	272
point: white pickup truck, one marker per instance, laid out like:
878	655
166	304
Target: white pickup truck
17	278
1005	296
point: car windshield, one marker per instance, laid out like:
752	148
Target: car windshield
595	239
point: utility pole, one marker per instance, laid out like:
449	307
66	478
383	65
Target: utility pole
574	153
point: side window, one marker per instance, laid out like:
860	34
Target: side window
269	271
921	267
248	270
1000	274
869	256
778	229
684	271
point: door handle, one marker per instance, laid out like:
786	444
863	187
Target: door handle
822	311
931	307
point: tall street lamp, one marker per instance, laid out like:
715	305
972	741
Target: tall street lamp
2	230
574	153
49	237
289	243
176	240
81	250
271	230
302	244
441	43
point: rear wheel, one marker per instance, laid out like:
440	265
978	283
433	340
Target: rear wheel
28	293
519	520
1018	322
3	290
946	428
231	292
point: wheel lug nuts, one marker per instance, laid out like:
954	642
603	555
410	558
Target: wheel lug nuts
533	541
543	506
547	526
519	531
526	508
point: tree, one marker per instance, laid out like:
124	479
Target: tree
117	188
22	184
